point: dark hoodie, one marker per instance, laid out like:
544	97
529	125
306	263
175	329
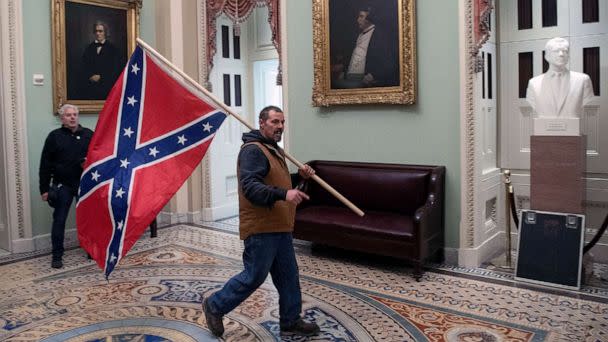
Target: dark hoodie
253	168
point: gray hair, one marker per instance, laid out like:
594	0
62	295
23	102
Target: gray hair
106	29
67	106
557	41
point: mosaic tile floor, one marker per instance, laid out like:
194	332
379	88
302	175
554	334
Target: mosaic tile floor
155	294
595	282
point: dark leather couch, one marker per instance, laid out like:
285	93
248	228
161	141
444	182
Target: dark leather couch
403	205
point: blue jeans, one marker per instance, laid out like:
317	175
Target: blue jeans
264	253
65	195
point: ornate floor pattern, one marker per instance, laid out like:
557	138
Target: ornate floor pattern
155	295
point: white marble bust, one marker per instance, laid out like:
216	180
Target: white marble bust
559	94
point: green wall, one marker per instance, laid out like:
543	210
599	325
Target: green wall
39	99
425	133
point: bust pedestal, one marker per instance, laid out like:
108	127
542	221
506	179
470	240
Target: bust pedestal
557	165
557	126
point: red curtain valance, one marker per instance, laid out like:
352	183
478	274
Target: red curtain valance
238	11
481	24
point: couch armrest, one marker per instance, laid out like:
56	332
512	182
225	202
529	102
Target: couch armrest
429	218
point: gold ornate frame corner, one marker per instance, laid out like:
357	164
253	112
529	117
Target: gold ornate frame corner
404	93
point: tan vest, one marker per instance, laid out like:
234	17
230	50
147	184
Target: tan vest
254	219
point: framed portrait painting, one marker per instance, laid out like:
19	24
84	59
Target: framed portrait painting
364	52
91	42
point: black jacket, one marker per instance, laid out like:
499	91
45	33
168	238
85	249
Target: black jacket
62	154
253	168
382	60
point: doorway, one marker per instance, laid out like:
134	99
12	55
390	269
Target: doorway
244	76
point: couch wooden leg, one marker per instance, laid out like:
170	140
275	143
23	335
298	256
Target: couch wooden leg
153	229
418	271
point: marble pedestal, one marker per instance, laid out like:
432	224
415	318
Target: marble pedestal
557	166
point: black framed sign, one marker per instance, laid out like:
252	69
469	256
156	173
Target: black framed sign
550	248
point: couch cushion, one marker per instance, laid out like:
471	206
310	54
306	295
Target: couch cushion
341	220
381	187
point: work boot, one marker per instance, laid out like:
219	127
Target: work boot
56	263
300	327
214	322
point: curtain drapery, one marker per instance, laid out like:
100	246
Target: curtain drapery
238	11
481	17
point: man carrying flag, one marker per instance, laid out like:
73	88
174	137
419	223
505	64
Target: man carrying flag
267	206
152	132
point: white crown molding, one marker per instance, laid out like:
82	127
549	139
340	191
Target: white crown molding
13	106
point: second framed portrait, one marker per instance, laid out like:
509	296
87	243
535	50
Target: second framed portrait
92	40
364	52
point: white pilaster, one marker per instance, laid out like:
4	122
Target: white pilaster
15	157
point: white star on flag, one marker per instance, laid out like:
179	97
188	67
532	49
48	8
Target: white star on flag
113	258
124	163
128	131
131	100
154	151
134	68
120	192
120	225
181	139
207	127
95	175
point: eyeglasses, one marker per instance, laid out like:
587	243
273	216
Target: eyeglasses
99	31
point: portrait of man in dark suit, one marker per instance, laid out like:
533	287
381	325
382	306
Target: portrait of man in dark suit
96	49
101	64
364	44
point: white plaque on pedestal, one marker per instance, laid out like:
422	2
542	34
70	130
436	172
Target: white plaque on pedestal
557	126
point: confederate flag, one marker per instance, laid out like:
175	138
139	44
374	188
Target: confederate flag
153	131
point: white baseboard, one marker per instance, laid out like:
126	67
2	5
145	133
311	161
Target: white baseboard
166	217
43	241
23	245
194	216
450	256
474	257
220	212
70	238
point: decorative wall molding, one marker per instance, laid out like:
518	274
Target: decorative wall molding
474	256
18	189
203	70
492	215
468	138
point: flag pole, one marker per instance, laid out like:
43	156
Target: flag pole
227	109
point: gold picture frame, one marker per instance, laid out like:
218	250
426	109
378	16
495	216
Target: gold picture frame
75	56
336	29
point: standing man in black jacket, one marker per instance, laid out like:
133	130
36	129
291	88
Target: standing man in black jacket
63	156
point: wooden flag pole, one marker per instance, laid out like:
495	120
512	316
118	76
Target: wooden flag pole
227	109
